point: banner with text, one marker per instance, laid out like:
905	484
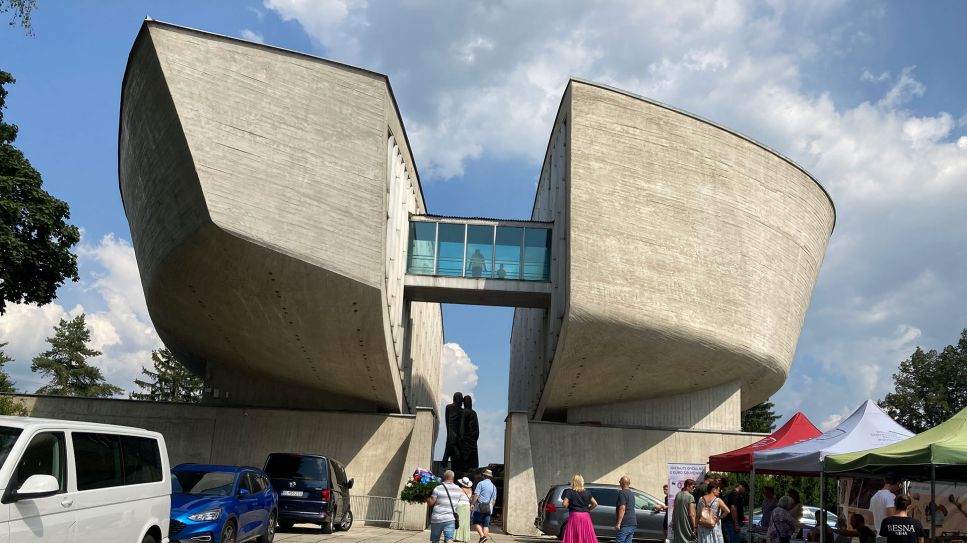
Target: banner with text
677	475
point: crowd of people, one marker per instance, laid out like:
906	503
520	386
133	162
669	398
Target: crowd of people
701	515
457	507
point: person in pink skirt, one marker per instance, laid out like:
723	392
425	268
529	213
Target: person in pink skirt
579	502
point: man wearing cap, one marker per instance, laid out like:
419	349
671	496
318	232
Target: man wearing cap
482	505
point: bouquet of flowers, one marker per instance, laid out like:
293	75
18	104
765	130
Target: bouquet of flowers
420	486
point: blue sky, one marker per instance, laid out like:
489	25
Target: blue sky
868	96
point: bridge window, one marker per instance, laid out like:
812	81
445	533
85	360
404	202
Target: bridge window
485	251
422	248
537	254
450	241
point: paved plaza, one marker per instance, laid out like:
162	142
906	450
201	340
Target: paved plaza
371	534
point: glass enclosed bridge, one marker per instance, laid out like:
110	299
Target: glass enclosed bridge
478	261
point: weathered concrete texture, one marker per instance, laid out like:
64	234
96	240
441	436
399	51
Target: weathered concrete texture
692	255
519	484
716	408
264	190
419	454
373	447
601	454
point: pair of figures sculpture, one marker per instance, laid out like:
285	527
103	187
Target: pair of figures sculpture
463	430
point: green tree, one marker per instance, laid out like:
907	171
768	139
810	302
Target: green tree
21	12
929	387
8	404
760	418
169	382
35	239
65	363
6	385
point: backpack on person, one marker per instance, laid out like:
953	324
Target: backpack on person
708	518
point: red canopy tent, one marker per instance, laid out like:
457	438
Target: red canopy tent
740	460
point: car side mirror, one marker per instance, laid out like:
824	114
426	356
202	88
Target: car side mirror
242	492
37	486
349	484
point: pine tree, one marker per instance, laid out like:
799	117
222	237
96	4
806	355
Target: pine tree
170	381
760	418
65	363
6	385
8	404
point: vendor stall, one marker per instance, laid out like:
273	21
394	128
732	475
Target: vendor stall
867	428
937	454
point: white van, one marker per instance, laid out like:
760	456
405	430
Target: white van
77	482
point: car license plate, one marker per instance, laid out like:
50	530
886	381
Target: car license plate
293	493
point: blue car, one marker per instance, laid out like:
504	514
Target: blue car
221	504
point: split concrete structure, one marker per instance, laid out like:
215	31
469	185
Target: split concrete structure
287	255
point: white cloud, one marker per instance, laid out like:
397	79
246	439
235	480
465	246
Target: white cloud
831	422
459	373
251	35
115	310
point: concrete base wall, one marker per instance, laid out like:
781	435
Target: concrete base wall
374	447
716	408
602	454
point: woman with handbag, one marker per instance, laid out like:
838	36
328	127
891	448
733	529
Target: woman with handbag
579	502
443	515
463	511
710	510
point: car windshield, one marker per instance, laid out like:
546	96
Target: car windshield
293	466
8	436
202	483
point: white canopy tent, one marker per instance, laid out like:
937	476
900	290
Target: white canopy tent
867	428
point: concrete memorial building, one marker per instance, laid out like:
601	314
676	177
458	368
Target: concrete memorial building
287	254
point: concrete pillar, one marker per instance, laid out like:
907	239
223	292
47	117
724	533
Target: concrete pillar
419	454
520	490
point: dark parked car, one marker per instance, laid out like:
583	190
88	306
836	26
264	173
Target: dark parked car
221	504
313	489
552	516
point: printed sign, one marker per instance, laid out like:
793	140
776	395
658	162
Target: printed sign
677	475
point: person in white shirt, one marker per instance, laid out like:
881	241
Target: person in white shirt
881	503
442	518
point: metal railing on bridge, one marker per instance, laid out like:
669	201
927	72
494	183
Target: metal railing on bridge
479	248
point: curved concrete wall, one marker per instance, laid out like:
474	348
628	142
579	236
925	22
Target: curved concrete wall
692	255
262	202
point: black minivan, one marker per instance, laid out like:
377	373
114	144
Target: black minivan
312	489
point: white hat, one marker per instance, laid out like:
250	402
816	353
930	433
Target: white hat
464	482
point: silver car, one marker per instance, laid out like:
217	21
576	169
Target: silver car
552	516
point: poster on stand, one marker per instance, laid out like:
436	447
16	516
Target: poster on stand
677	475
951	509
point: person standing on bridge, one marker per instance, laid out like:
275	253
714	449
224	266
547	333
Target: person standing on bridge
478	264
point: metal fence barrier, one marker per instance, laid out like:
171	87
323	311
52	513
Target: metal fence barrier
377	510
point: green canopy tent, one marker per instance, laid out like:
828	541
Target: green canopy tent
938	452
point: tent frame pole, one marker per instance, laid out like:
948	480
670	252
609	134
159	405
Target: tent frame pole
933	503
822	503
748	528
